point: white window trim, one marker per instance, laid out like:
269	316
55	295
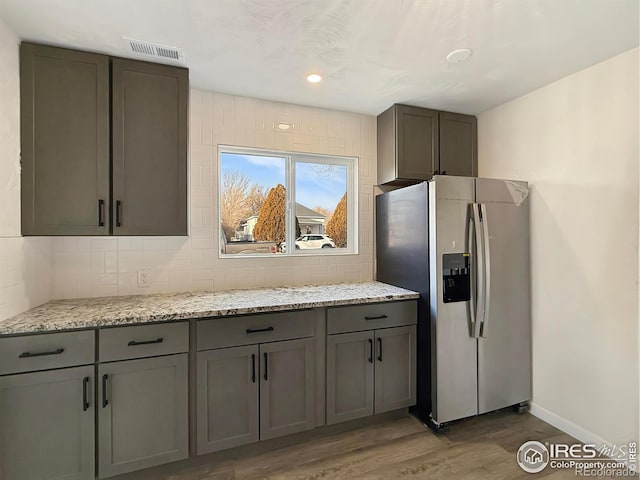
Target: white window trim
291	159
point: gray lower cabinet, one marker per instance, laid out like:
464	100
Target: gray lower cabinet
370	372
227	398
286	387
143	413
254	392
47	425
349	376
395	368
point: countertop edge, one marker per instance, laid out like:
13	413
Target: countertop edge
51	327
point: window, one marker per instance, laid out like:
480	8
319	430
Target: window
278	203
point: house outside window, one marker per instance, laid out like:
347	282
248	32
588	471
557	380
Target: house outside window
279	203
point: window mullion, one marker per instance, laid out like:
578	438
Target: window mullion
291	205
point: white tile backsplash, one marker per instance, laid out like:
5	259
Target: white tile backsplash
98	266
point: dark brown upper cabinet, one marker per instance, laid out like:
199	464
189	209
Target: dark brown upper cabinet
65	141
458	144
104	144
416	143
149	148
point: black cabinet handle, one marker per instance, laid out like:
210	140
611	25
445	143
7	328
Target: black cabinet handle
118	213
258	330
101	213
266	367
379	349
57	351
105	402
253	367
370	350
135	343
376	317
85	394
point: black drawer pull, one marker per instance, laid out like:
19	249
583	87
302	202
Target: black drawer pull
380	350
101	213
135	343
105	402
258	330
370	350
57	351
85	394
376	317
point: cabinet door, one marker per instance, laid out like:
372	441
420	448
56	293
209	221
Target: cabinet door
417	142
458	144
286	387
395	370
149	148
64	96
47	425
227	398
349	376
142	415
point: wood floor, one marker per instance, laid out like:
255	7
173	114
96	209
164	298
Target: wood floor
396	446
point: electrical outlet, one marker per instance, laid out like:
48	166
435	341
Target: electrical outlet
144	278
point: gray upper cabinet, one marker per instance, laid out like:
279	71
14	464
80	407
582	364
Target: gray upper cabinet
407	144
416	143
458	144
143	413
149	148
47	425
104	144
65	141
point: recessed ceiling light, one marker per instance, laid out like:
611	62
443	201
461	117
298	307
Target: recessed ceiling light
284	126
460	55
314	78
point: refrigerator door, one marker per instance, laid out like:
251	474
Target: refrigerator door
453	347
504	345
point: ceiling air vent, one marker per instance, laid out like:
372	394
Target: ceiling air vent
155	50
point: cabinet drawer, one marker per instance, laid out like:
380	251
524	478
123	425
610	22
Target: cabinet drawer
248	330
46	351
143	341
371	316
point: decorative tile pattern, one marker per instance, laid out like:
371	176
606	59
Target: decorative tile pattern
126	310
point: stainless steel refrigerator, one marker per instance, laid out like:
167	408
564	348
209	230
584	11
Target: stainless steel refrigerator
463	244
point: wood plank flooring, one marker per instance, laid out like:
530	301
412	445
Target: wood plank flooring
390	447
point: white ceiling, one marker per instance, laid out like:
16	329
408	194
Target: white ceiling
372	53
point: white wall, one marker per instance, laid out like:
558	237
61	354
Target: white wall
25	275
576	142
84	267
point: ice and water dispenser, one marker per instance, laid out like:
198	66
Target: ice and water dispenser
456	277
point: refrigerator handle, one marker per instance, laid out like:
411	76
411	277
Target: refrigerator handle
473	267
487	270
480	269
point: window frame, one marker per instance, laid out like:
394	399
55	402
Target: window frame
291	159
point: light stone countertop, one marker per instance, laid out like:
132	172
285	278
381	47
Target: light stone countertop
59	315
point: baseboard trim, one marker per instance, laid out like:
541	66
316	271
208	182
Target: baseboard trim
570	428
